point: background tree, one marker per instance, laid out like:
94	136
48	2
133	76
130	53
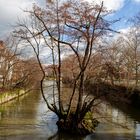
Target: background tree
26	74
8	57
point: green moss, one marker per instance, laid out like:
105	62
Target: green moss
89	122
89	115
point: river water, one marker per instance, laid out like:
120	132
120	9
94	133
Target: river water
28	118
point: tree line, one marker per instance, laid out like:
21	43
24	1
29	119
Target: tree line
16	72
116	62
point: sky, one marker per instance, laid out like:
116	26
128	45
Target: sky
11	10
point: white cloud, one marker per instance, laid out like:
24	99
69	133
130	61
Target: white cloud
123	33
137	0
13	8
125	30
111	4
10	11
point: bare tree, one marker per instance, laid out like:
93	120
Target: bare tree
113	60
132	53
76	27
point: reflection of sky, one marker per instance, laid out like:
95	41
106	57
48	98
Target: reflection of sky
114	121
138	131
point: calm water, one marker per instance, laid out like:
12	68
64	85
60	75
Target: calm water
28	118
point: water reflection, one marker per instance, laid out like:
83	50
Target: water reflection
138	131
28	118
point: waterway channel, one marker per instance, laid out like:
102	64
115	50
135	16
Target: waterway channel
28	118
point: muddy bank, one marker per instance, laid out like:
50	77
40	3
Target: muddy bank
115	94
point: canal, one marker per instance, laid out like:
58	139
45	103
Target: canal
28	118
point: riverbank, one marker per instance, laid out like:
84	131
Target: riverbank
7	96
116	94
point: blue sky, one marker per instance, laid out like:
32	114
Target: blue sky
10	10
128	11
